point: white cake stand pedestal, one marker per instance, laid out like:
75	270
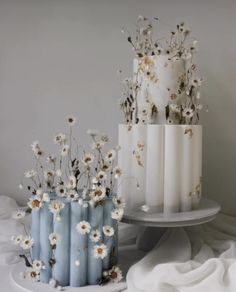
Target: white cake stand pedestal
206	212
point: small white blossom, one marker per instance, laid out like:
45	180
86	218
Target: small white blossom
30	174
65	150
72	182
72	195
119	202
110	156
17	239
33	274
49	174
53	238
87	159
56	206
60	138
98	194
95	235
117	172
108	230
101	175
188	112
100	251
27	242
19	214
83	227
117	214
38	265
61	191
115	274
35	203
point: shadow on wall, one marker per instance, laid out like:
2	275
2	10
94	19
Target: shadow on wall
219	144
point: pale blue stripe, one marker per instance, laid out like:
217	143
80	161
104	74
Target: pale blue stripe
46	228
111	242
35	234
79	249
94	264
61	268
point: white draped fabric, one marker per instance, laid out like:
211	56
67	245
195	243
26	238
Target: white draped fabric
193	259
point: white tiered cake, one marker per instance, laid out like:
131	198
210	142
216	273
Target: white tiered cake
160	142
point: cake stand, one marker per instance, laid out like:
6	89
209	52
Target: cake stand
207	211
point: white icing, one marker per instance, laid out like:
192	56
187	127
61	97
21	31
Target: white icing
165	75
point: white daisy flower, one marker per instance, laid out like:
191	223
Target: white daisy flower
51	158
72	195
97	145
117	172
95	235
117	214
119	202
46	198
196	82
49	174
87	159
101	175
58	173
188	112
104	138
35	203
175	108
60	138
100	251
65	150
30	173
72	182
83	227
53	238
111	155
106	167
56	206
19	214
17	239
61	191
33	275
98	194
92	132
34	145
71	120
108	230
115	274
27	242
38	265
77	263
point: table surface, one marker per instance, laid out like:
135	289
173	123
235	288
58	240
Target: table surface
207	211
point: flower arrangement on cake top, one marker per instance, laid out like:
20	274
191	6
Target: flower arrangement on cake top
165	87
73	190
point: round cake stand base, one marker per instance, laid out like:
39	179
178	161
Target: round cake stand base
207	211
28	286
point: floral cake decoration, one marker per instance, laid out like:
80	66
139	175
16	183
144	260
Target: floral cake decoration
179	46
73	175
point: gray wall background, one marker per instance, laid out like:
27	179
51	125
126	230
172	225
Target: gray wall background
61	56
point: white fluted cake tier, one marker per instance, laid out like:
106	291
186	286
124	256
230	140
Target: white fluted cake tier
162	166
